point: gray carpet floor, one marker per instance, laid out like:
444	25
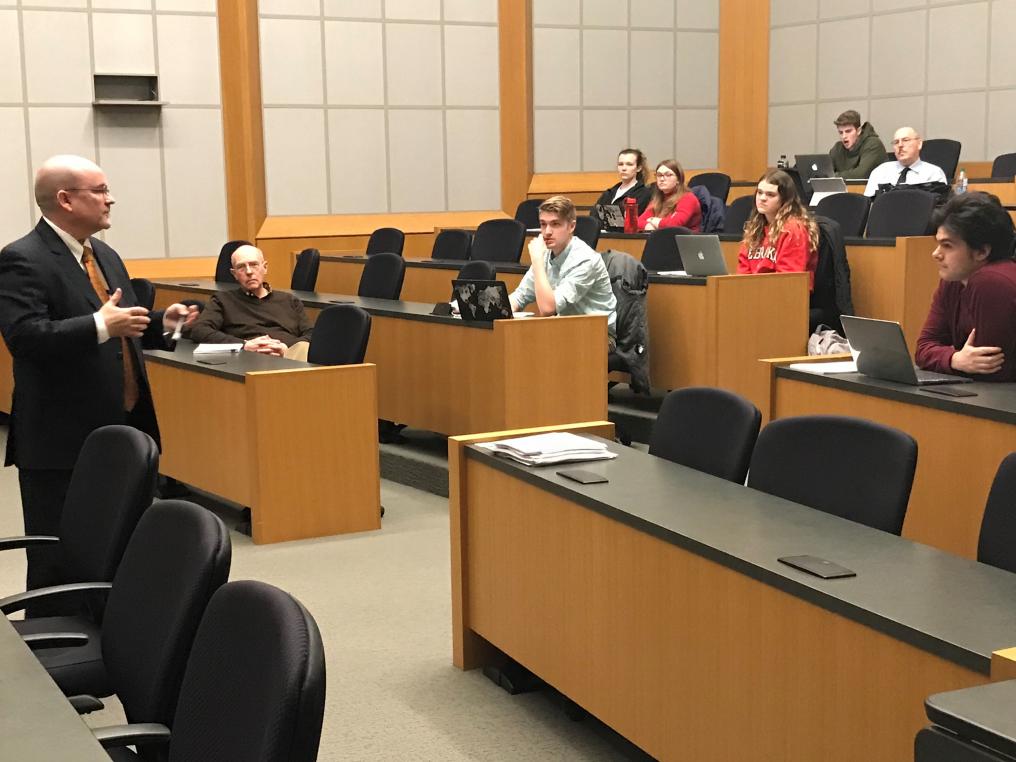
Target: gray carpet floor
383	603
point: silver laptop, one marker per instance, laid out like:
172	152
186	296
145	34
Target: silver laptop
811	165
882	353
826	186
701	254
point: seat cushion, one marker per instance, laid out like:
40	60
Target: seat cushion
76	670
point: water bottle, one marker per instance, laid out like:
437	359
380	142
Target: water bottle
961	182
631	216
782	163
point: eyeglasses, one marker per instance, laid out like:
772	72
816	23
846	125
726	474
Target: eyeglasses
102	190
248	267
902	141
665	174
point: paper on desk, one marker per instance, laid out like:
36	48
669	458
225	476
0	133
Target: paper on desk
553	447
825	368
682	273
217	349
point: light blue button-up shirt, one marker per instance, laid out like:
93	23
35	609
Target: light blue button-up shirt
580	282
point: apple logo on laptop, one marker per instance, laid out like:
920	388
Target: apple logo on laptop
814	167
701	256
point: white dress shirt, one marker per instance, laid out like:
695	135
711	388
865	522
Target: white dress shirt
78	251
889	173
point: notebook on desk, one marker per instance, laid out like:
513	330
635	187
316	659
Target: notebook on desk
882	353
482	300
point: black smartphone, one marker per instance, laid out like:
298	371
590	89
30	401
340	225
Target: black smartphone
820	567
187	283
582	477
211	360
949	391
339	301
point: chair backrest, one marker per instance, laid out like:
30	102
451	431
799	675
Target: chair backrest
660	252
178	556
452	244
944	153
738	212
528	212
1004	166
112	485
901	212
478	269
382	276
717	183
144	291
587	229
255	682
848	209
499	241
389	240
305	271
224	265
997	543
340	336
850	467
707	429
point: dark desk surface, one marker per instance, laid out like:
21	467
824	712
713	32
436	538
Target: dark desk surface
232	366
319	300
986	714
37	724
949	606
994	401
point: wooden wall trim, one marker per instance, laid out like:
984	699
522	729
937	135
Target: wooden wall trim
365	224
743	119
244	150
515	65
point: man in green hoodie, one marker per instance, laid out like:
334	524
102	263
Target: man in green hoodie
859	149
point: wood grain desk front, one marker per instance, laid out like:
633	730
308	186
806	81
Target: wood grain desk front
446	375
657	603
702	331
295	442
37	723
960	442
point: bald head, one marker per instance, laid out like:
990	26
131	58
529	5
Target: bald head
907	145
58	173
249	268
246	253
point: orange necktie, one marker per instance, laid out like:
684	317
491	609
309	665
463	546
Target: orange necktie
130	378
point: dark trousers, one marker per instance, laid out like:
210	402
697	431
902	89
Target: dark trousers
42	500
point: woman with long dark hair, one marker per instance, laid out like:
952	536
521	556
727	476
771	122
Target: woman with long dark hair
672	204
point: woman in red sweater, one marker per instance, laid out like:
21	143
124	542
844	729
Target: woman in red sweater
672	205
780	235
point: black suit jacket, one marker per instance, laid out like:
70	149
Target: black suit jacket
66	384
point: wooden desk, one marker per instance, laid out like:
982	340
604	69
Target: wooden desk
37	724
445	375
960	442
701	330
297	443
657	603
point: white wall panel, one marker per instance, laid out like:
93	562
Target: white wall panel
789	80
656	14
697	85
695	137
189	60
843	59
291	63
604	79
361	9
122	5
556	146
1001	118
60	131
416	151
960	116
295	161
889	114
652	69
358	161
556	11
898	60
698	14
191	6
471	66
471	10
18	212
415	10
652	132
355	61
289	7
57	79
123	43
413	59
556	63
602	134
610	13
958	37
474	159
791	131
11	89
1002	64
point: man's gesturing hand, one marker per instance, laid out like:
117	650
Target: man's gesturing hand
123	321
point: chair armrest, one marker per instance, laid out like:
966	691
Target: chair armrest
84	704
13	543
17	602
37	640
136	734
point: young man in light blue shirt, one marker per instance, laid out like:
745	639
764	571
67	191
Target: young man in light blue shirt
566	276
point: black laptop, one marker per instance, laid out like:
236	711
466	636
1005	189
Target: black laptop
882	353
482	300
611	217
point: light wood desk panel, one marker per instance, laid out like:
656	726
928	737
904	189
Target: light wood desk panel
296	445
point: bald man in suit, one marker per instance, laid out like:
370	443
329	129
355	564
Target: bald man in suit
74	328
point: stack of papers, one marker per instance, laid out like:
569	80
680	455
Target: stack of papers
825	368
217	349
544	449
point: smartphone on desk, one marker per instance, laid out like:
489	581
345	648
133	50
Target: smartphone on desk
582	476
949	391
820	567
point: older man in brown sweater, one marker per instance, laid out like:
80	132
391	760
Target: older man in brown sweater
266	321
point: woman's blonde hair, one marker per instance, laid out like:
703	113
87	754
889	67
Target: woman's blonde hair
664	205
791	208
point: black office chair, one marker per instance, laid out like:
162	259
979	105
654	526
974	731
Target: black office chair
850	210
382	276
112	484
389	240
254	687
903	212
478	269
224	266
587	229
660	252
717	183
178	556
850	467
144	291
710	430
499	241
1004	166
943	153
738	212
340	336
452	244
997	543
528	212
305	271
